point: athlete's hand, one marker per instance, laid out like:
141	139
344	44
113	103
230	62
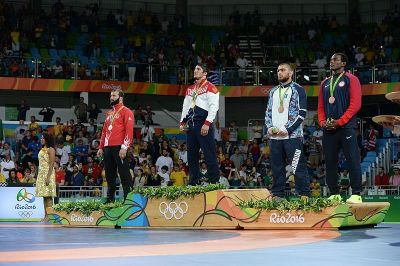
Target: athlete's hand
182	127
282	133
332	125
204	130
122	153
100	153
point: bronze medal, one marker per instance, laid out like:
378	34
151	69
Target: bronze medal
281	109
331	100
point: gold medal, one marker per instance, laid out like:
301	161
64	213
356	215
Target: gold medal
331	100
281	109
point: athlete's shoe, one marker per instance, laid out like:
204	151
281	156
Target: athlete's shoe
336	197
304	198
354	199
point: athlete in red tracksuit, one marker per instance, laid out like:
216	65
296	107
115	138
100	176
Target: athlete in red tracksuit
116	138
200	107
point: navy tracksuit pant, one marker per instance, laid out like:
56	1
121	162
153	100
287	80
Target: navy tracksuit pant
284	152
195	141
346	139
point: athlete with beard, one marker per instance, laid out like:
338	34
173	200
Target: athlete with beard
115	140
287	108
339	101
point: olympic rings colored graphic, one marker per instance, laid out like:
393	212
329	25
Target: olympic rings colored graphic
25	214
173	210
25	195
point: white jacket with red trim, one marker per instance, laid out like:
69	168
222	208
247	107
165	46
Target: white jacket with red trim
206	105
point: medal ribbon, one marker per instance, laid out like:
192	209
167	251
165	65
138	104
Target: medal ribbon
332	86
196	92
282	97
112	117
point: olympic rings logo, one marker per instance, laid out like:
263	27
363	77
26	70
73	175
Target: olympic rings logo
25	195
173	210
25	214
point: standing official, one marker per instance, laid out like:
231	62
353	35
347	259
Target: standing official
116	138
339	101
287	108
200	107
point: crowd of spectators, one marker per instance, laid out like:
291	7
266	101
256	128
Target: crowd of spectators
125	43
156	160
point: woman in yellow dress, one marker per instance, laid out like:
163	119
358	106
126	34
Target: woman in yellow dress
46	179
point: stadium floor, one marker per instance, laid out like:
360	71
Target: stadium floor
41	244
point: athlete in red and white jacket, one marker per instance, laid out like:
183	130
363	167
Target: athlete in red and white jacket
199	110
116	138
201	103
118	127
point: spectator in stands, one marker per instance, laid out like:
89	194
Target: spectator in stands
81	110
19	134
27	159
163	174
139	114
395	178
81	152
77	178
370	138
92	171
315	188
149	115
7	150
35	146
13	179
147	132
321	67
94	111
60	174
154	179
178	176
63	152
6	165
140	178
164	160
381	179
28	178
33	126
81	137
257	132
204	175
58	128
47	113
234	178
242	63
22	109
237	158
25	141
233	132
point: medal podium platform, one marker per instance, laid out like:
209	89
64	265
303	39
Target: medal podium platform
221	209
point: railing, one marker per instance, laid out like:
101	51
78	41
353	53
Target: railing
96	69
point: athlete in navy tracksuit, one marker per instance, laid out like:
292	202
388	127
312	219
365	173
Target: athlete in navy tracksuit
339	101
287	108
198	113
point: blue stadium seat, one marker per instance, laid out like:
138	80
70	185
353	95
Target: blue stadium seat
35	53
395	77
53	54
62	53
71	53
371	154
